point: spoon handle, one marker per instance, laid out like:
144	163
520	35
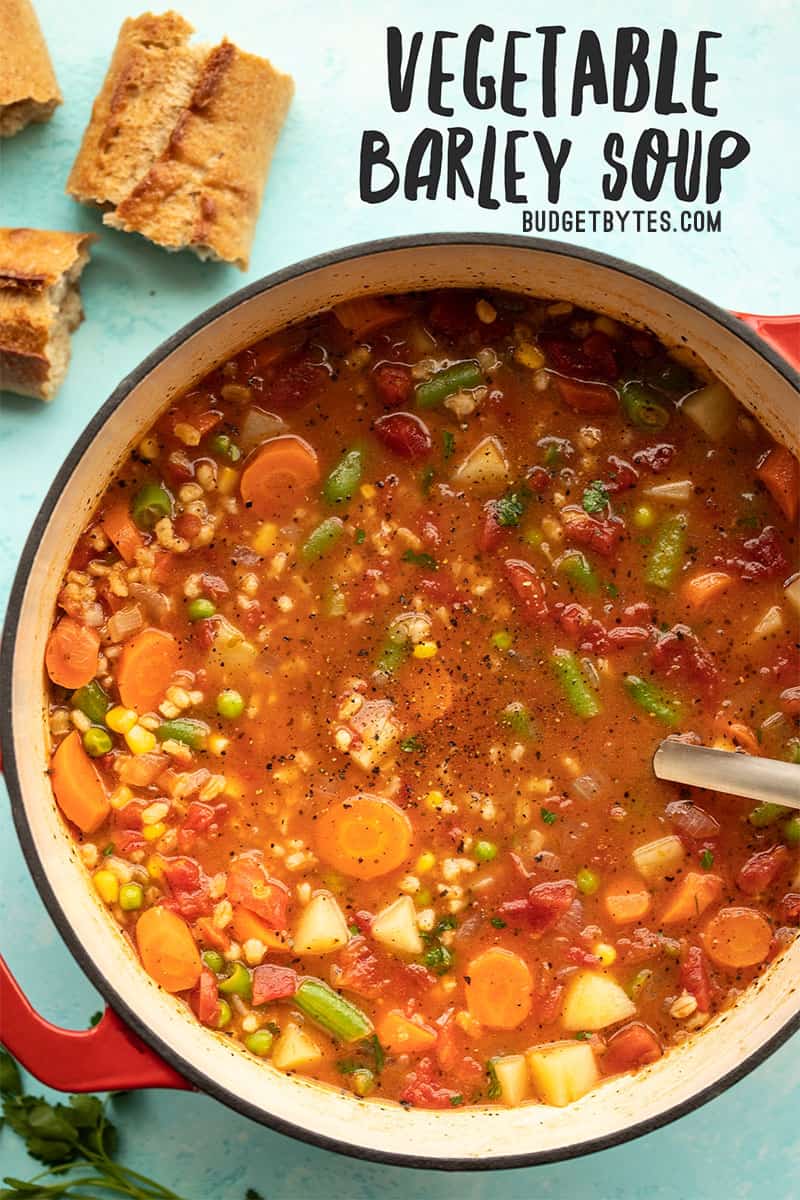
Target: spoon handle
735	774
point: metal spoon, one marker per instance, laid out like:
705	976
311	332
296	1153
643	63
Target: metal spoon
736	774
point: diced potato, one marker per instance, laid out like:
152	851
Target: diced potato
770	624
294	1049
231	651
655	860
713	409
377	729
322	927
512	1075
485	468
396	927
563	1071
792	593
594	1001
678	491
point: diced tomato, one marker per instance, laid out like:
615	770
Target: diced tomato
622	636
423	1089
641	945
363	920
695	979
581	397
366	591
598	350
441	588
178	468
789	908
678	652
790	701
205	631
429	530
189	887
213	585
451	1052
130	816
595	534
578	957
587	632
623	475
538	479
548	1003
271	982
187	525
629	1048
453	313
200	819
128	840
542	908
405	434
639	613
762	869
83	553
204	998
757	558
393	383
528	589
193	411
295	381
655	458
248	884
593	358
490	531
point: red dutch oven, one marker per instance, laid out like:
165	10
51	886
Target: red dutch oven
148	1038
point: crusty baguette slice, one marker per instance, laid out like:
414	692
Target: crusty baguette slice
40	306
181	138
28	87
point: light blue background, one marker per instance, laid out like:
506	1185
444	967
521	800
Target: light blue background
742	1145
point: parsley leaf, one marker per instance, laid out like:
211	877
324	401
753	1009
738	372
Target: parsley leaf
495	1091
595	497
498	922
412	745
706	860
509	508
421	560
547	816
456	1100
448	444
582	1036
361	536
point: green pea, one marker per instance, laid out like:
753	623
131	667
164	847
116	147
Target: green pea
92	701
184	729
97	742
230	704
214	961
321	540
237	982
131	896
150	504
200	609
259	1043
345	477
225	1014
791	831
363	1081
221	444
587	881
502	640
484	851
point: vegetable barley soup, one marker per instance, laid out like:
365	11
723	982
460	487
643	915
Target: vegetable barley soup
357	676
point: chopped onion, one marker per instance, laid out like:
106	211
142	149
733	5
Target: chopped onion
257	426
125	623
589	786
679	491
792	592
154	602
140	770
770	624
691	821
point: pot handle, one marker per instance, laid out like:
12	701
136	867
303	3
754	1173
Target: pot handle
782	333
106	1058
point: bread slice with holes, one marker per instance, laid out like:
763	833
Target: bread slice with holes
40	306
29	90
181	138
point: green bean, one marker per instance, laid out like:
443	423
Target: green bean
643	408
321	540
394	651
332	1011
238	982
184	729
150	504
655	702
579	695
791	831
214	961
578	571
345	477
92	701
667	552
766	814
515	716
463	375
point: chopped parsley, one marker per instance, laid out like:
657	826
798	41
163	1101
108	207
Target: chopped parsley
552	455
498	922
412	745
456	1100
547	816
706	860
595	497
426	482
582	1036
509	508
421	560
438	959
361	536
448	444
446	922
109	849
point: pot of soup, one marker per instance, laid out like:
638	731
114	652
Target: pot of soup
335	664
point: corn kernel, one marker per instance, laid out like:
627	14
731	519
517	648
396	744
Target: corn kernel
425	649
152	833
606	953
106	885
434	799
227	480
264	538
217	744
485	312
120	719
425	862
368	491
155	812
140	740
120	796
528	355
155	866
607	326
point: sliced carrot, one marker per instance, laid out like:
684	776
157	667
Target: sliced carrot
626	900
278	474
737	937
701	589
429	692
364	836
780	474
71	653
690	897
168	951
368	313
499	988
145	669
208	934
399	1035
119	528
737	732
276	347
247	925
77	785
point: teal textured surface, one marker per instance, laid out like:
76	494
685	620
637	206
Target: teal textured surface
743	1144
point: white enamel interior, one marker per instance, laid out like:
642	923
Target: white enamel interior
377	1128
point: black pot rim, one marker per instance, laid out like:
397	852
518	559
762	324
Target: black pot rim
36	864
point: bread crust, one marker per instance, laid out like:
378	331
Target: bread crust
181	139
39	306
29	90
